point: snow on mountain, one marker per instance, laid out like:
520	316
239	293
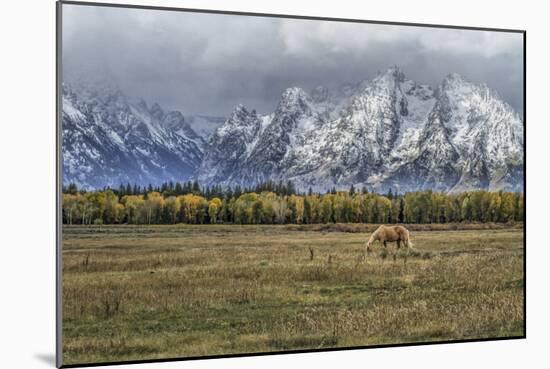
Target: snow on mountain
487	133
109	140
390	132
229	147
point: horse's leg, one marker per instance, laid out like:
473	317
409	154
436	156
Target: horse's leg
385	245
398	244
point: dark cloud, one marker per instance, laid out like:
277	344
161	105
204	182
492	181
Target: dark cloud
206	63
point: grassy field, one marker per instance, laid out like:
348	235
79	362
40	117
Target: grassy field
146	292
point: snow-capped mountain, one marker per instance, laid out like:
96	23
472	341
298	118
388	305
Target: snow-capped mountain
109	140
390	132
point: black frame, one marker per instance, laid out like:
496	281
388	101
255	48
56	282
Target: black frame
59	182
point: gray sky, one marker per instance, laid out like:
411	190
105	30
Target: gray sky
208	63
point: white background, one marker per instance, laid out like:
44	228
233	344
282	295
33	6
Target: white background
27	185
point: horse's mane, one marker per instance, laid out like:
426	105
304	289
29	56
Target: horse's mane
375	233
378	230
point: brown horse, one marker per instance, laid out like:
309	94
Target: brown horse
390	234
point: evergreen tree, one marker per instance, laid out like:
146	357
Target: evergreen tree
237	192
121	190
128	190
72	189
196	188
290	189
178	189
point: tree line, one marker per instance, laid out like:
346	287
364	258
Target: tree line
281	204
209	192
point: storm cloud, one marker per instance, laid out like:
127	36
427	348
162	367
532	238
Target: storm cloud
207	63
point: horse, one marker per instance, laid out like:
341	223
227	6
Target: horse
390	234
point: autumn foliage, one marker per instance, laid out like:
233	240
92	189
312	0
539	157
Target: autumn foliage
268	207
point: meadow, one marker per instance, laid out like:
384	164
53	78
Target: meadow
165	291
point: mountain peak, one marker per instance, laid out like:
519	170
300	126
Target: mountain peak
142	104
175	120
157	112
395	73
453	79
124	142
319	94
389	79
293	94
240	118
294	100
240	108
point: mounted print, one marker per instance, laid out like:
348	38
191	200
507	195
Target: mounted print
239	184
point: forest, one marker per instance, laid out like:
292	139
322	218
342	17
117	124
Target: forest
280	203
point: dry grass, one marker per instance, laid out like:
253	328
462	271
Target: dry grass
144	292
